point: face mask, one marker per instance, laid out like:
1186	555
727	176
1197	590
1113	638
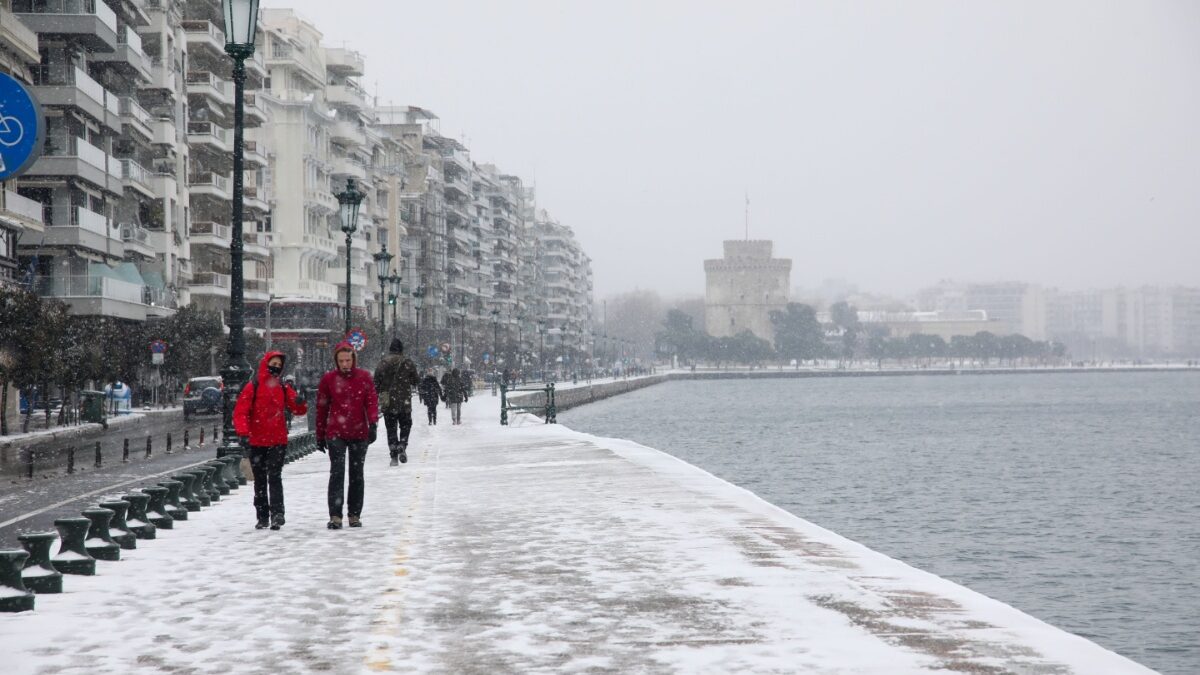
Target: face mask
275	370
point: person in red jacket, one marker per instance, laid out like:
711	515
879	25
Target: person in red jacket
347	414
260	420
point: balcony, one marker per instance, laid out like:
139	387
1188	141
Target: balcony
318	290
349	166
322	199
204	83
210	283
67	86
458	158
88	23
256	70
204	35
457	187
136	178
29	213
358	277
128	55
22	41
321	244
210	234
212	185
347	132
252	154
72	156
252	200
76	226
137	239
135	118
95	295
163	76
255	113
256	244
207	134
164	131
346	95
344	62
256	289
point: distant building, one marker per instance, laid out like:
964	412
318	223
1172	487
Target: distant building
743	288
1014	307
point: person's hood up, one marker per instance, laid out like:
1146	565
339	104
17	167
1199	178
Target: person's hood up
345	346
262	365
397	346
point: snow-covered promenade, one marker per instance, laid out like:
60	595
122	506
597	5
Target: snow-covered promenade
519	549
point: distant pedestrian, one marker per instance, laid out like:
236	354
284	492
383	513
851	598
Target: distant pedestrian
395	376
260	420
430	392
455	393
347	414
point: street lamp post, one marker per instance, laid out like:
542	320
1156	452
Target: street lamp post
348	203
495	347
542	349
394	298
418	303
241	22
383	264
462	331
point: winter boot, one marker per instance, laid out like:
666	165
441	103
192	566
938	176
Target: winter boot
393	449
262	524
355	522
277	521
403	454
335	523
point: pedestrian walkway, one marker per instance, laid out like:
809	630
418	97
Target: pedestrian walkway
519	549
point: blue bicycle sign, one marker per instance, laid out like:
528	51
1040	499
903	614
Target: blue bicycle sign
22	127
357	339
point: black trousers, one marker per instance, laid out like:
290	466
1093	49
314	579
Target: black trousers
391	419
338	450
267	465
431	411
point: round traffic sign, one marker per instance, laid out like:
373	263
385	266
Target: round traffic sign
22	127
357	339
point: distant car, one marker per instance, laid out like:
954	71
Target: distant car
202	396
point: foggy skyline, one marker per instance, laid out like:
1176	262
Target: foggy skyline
888	144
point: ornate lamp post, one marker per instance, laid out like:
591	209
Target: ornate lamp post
383	268
462	330
241	22
394	297
348	203
542	348
495	347
418	303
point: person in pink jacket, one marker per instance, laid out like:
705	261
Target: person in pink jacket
347	415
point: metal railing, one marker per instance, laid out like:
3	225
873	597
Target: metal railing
77	7
23	206
547	407
76	286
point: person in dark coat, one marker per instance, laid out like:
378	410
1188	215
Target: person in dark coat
395	376
430	392
454	392
259	419
347	414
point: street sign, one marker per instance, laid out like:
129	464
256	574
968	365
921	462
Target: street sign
156	358
446	347
22	127
357	339
432	351
487	357
158	347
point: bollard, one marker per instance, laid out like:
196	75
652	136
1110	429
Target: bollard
99	458
138	521
174	506
186	445
149	447
39	575
187	497
209	488
14	597
218	479
125	452
156	509
29	469
118	529
70	459
238	475
73	556
214	434
233	468
198	491
99	542
169	450
201	436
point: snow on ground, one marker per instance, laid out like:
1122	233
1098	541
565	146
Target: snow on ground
528	548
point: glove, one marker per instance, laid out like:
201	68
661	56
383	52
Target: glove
321	446
245	441
298	396
371	433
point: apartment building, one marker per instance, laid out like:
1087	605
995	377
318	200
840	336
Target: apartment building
1145	322
1013	307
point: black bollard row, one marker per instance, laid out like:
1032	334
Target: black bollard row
29	467
201	436
73	556
174	507
138	519
186	444
99	458
117	527
156	509
149	446
99	542
125	452
71	459
169	450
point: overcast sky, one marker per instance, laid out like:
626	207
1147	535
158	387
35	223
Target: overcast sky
891	144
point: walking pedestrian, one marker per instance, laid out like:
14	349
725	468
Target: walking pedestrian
430	392
454	392
395	377
347	415
260	420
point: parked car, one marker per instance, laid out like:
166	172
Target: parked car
202	396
